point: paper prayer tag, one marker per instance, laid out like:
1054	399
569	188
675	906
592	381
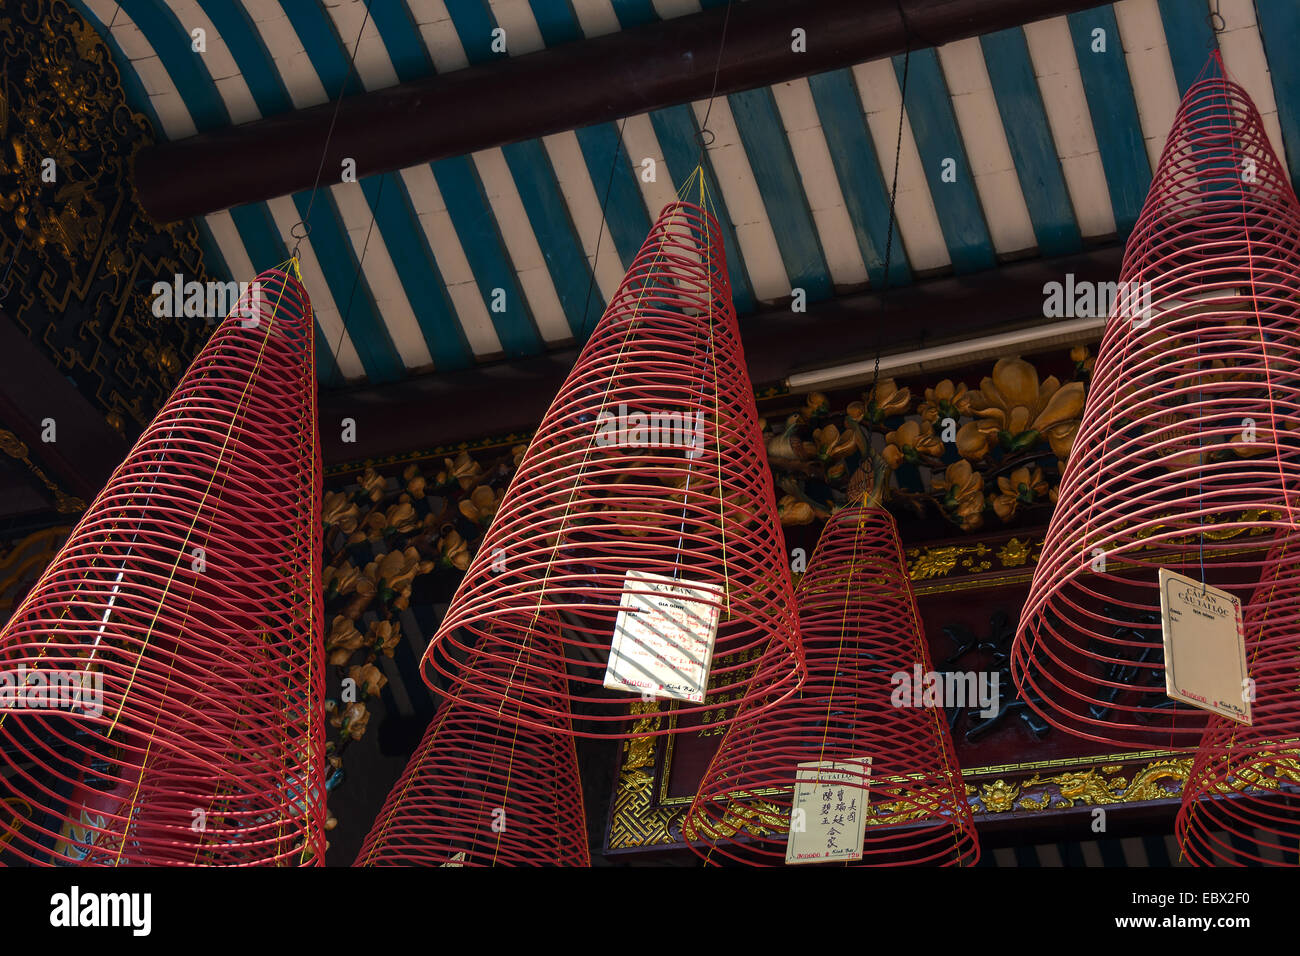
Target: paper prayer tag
664	637
1205	647
828	814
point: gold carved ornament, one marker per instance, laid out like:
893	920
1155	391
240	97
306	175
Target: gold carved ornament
83	252
15	447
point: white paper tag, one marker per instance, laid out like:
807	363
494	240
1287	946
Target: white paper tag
663	637
1205	647
828	814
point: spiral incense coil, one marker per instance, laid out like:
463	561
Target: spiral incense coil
484	790
1188	455
1241	801
861	631
183	621
648	470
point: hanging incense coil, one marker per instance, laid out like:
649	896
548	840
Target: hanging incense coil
183	617
863	641
1188	455
1241	801
483	789
650	460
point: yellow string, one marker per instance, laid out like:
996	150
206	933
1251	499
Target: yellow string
559	537
241	407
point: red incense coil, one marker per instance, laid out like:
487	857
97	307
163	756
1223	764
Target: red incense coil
1241	801
649	459
861	630
1188	455
190	589
484	790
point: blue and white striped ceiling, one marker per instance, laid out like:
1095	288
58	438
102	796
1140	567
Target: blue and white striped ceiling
1053	145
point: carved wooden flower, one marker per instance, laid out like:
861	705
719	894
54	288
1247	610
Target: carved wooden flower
885	401
465	471
1022	486
481	505
415	482
342	640
384	636
815	406
340	579
963	494
373	484
397	569
454	550
401	518
372	528
339	511
370	680
945	400
833	445
793	511
1083	360
365	593
974	439
1024	409
909	442
352	720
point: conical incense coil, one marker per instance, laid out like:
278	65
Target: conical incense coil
649	462
183	622
484	790
863	642
1188	455
1241	801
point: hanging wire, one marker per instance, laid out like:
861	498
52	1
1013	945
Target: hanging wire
1217	26
600	232
301	230
704	136
305	222
893	188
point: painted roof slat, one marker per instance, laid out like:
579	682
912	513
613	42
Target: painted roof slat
1051	144
1020	105
947	169
861	176
1114	114
764	139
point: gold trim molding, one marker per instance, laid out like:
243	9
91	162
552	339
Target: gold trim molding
15	447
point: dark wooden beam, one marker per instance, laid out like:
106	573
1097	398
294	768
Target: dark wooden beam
565	87
433	410
32	389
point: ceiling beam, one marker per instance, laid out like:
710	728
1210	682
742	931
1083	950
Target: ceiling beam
425	412
589	81
33	391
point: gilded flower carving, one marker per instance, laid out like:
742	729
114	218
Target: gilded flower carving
1023	408
910	442
963	494
1021	486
